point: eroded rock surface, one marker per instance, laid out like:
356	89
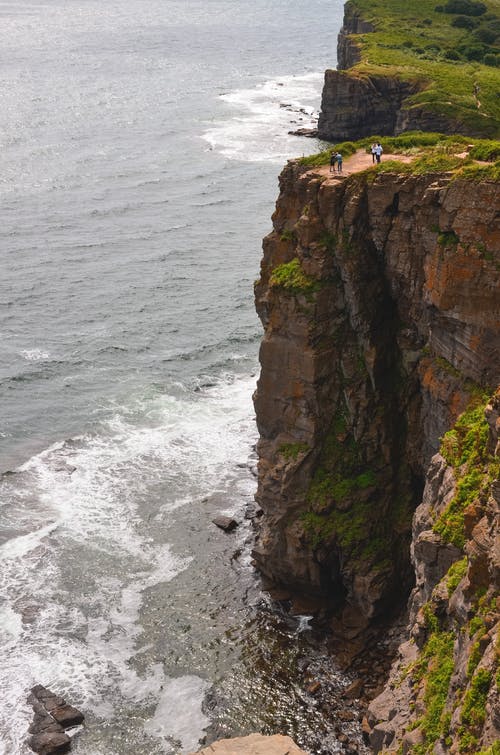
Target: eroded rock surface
379	299
52	716
443	691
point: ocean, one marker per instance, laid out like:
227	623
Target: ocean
141	146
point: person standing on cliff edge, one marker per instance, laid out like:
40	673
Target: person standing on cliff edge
339	162
333	161
373	148
378	151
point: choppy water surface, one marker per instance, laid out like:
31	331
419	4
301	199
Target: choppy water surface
141	143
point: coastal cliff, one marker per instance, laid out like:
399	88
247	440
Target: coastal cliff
413	68
379	299
380	304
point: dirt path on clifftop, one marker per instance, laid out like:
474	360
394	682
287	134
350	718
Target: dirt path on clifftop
359	161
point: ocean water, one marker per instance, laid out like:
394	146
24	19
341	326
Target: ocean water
141	144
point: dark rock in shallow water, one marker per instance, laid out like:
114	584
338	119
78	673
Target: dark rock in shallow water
226	523
312	133
67	716
52	716
50	743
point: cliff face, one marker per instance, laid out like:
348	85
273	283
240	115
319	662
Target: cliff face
360	101
348	53
379	299
443	695
355	105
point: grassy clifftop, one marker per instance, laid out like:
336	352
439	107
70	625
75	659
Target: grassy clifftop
451	50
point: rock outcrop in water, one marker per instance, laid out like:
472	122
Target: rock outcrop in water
380	302
52	717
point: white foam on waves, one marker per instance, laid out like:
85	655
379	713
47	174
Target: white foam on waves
72	587
34	355
257	129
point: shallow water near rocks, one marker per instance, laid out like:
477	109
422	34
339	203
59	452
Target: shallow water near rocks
142	140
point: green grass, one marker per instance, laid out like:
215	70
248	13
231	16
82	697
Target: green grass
486	149
416	43
456	572
474	710
431	153
323	158
435	666
493	750
474	172
290	277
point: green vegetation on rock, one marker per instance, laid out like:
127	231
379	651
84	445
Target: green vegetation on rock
464	448
292	278
434	667
466	158
455	574
474	710
449	56
292	450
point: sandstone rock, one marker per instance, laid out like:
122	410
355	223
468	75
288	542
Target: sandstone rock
411	740
47	698
254	744
383	708
226	523
354	106
365	728
381	736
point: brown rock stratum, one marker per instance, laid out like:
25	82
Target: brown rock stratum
366	363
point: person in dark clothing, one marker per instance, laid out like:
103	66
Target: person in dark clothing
333	161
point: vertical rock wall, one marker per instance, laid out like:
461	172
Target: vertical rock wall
379	299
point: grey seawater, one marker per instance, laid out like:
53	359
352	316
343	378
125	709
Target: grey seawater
141	143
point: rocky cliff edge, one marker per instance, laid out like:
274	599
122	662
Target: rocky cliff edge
379	299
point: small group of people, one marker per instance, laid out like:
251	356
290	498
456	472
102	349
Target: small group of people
377	150
335	161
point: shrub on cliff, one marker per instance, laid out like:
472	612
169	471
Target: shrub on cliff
465	7
292	278
464	22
